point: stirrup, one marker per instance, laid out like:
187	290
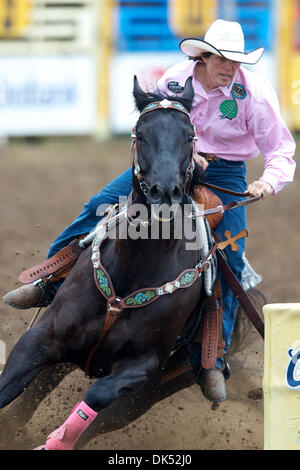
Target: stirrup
226	369
48	292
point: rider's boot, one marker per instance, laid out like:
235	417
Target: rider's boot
36	294
212	383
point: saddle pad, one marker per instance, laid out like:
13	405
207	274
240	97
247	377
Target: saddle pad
205	242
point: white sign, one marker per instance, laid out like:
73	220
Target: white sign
148	67
47	95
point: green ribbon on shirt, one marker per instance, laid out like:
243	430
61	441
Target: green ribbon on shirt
229	108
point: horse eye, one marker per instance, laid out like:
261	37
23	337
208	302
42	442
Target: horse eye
190	138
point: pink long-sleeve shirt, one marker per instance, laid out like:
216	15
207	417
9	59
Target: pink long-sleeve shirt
239	121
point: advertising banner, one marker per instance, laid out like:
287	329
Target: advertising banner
47	95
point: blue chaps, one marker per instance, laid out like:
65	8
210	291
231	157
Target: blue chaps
226	174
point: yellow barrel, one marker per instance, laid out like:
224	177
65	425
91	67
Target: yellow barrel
281	381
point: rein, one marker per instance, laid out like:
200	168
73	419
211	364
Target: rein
225	191
231	205
222	208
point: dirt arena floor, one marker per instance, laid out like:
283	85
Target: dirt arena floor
44	184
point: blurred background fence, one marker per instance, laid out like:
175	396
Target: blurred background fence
67	66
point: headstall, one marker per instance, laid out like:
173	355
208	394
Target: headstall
164	104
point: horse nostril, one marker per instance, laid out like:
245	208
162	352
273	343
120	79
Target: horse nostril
155	195
168	196
176	195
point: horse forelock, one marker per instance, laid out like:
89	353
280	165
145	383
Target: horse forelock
141	101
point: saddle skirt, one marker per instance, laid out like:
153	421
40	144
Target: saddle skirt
206	241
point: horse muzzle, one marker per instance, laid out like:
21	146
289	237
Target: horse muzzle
171	195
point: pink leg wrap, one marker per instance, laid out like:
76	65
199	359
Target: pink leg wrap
66	436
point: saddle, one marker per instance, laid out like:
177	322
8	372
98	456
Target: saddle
203	195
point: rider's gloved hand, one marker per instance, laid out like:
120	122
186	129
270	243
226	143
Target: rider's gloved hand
260	187
201	161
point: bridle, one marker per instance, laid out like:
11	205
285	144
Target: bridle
164	104
142	297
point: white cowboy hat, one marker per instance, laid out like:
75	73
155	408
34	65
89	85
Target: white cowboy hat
223	38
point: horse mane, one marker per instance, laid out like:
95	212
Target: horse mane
149	96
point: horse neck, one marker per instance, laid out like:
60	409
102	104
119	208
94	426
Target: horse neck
153	259
147	239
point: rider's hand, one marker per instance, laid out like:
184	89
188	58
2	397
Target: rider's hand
259	187
201	161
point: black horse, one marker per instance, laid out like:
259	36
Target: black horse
135	350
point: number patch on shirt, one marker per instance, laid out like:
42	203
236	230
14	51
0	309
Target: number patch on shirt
175	87
238	91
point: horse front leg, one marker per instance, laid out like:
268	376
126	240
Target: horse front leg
33	352
127	376
47	380
18	413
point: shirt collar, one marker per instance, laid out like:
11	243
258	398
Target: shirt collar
227	89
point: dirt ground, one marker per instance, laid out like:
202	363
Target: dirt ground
44	184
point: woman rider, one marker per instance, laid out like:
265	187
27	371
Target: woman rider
236	115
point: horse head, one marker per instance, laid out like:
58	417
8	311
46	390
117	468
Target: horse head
163	145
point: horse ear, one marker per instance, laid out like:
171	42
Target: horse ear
188	95
139	95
